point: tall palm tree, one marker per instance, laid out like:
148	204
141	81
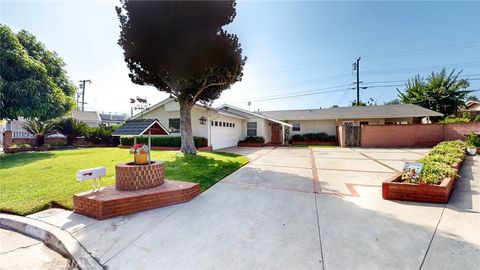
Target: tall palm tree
442	92
40	129
71	128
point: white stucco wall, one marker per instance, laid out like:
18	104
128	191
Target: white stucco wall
263	128
314	126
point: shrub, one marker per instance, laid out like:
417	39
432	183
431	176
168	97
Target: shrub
164	141
40	129
21	145
472	139
477	118
438	165
71	128
59	143
102	135
452	120
254	139
314	137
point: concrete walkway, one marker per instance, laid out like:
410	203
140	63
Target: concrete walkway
295	208
18	251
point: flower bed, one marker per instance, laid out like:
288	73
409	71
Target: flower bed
435	183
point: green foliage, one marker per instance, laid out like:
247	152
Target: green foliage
59	143
438	165
472	139
477	118
102	135
40	129
254	139
30	182
370	102
440	92
21	145
313	137
392	102
172	141
71	128
33	79
453	120
182	48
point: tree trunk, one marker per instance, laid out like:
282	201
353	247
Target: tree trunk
188	146
40	140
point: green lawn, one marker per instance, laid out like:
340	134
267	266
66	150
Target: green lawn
30	182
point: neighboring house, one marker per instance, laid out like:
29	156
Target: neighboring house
226	125
326	120
91	118
473	107
112	119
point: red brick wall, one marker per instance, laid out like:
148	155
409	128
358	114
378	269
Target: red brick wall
415	135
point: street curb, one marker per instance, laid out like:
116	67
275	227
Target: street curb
54	237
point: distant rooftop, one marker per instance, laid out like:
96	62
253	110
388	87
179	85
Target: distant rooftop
361	112
86	116
113	117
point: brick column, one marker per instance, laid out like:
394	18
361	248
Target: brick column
7	139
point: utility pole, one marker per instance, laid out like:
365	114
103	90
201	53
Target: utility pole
357	66
82	85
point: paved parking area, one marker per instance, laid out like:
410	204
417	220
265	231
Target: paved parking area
295	208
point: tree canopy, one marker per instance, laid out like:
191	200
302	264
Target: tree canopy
442	92
180	48
33	80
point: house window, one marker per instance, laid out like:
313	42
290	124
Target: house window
224	124
295	126
211	123
251	129
216	123
233	124
174	125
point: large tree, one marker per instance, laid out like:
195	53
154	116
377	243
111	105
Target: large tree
180	48
442	92
33	80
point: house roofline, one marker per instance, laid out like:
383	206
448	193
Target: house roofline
254	114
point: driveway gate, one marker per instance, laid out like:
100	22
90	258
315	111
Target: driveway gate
352	135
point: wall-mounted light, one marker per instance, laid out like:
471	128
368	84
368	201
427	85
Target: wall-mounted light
202	120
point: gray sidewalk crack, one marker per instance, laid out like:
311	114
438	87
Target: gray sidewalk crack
319	231
24	247
433	236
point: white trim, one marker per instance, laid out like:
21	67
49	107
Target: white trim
255	114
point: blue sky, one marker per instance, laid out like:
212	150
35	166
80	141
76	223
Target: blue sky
293	48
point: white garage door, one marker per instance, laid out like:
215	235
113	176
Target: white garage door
225	134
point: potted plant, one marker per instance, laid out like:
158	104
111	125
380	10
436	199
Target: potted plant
140	153
473	141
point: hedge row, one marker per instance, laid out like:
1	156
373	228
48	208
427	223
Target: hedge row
253	139
314	137
164	141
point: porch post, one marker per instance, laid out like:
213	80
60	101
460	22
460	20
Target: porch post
283	135
149	146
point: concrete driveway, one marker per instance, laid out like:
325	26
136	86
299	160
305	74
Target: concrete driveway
295	208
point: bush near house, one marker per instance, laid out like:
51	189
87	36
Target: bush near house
253	139
164	141
439	163
313	137
472	139
102	135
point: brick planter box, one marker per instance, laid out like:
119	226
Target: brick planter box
129	177
395	189
326	143
248	144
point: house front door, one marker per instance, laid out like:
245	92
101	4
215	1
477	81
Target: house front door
275	132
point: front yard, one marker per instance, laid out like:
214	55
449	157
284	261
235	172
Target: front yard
30	182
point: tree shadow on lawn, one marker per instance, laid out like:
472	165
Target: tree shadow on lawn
201	169
21	159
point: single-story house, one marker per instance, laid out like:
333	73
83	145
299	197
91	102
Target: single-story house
226	125
472	107
91	118
112	119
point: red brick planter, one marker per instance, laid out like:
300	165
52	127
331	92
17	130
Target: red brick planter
129	176
247	144
326	143
109	202
395	189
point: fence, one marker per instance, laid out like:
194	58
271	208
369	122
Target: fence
414	135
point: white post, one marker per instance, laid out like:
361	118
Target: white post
134	140
283	135
149	147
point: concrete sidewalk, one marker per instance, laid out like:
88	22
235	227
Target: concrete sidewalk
267	215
